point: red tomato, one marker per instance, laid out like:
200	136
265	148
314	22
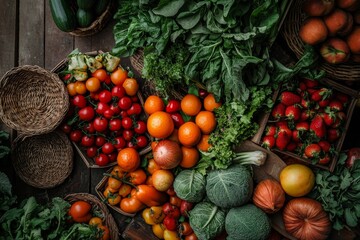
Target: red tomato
185	229
140	127
141	141
119	142
115	124
131	205
105	96
87	141
101	107
176	201
178	119
131	144
86	113
138	176
125	103
79	101
102	159
115	108
173	106
100	124
89	127
123	114
171	191
202	93
170	223
99	141
108	113
79	209
118	91
75	135
135	109
91	152
185	207
128	134
66	128
112	156
127	123
171	210
108	148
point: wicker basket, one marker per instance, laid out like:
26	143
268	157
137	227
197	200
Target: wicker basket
349	71
44	161
33	100
98	24
137	60
108	220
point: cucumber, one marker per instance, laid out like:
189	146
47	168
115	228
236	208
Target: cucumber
85	4
84	18
101	6
62	14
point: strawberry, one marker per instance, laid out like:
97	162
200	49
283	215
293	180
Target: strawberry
306	114
340	119
282	123
336	105
324	103
305	103
302	86
333	134
324	145
312	150
317	126
310	83
296	136
285	128
324	160
329	118
282	140
288	98
291	146
302	126
342	97
323	93
310	91
293	112
268	142
270	130
278	111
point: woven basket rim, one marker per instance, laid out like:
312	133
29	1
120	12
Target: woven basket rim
66	161
61	95
98	24
348	71
93	200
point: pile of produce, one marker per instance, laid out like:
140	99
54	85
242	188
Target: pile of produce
307	119
105	109
334	26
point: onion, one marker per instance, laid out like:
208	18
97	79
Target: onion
352	155
167	154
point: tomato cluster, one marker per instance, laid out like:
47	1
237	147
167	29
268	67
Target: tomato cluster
106	114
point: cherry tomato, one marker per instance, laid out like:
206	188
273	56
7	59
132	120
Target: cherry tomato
108	113
76	135
127	123
131	86
128	134
114	183
100	74
102	159
131	205
147	217
91	152
202	93
66	77
105	96
92	84
137	177
86	113
131	144
120	142
171	191
101	107
115	124
118	91
66	128
124	190
178	119
140	127
192	236
185	207
79	101
99	141
115	108
71	89
108	148
185	229
112	156
173	106
170	223
105	232
157	214
80	87
89	127
80	209
171	210
100	124
114	199
125	103
141	141
87	141
134	110
95	221
176	201
118	76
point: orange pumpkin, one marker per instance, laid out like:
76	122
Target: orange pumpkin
269	196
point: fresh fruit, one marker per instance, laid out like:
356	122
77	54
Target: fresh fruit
191	105
162	179
206	121
210	103
278	111
288	98
203	144
282	140
128	159
336	21
190	157
268	142
353	41
321	94
312	150
350	5
153	104
335	51
160	125
313	31
297	180
317	8
317	126
293	112
189	134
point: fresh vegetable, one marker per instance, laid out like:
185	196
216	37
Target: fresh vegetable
313	31
80	211
269	196
335	51
4	144
167	154
189	185
304	218
84	18
6	197
353	40
100	6
317	8
297	180
336	21
62	14
247	222
229	188
207	220
149	196
85	4
162	179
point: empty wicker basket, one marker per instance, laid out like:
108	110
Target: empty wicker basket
44	161
33	100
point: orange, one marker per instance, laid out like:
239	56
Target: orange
160	124
189	134
297	180
190	105
128	159
153	104
206	121
210	103
190	157
92	84
118	76
204	144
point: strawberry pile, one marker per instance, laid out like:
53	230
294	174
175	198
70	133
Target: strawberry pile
307	119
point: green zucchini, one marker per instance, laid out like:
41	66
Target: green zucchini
84	18
101	6
85	4
63	15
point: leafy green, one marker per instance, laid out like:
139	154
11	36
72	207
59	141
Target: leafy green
229	188
6	197
190	185
207	220
4	144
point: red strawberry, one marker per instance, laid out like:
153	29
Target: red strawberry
340	119
324	160
312	150
305	103
291	146
321	94
324	103
333	134
270	130
342	97
310	83
336	105
310	91
288	98
282	140
268	142
278	111
302	86
329	118
296	136
282	123
285	128
306	114
302	126
293	112
325	145
317	125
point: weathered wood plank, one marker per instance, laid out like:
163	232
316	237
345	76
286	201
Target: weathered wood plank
58	44
8	58
31	32
104	40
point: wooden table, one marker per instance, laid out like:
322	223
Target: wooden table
29	36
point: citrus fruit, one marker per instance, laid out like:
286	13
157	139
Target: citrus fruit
128	159
190	157
189	134
153	104
204	144
160	124
210	103
206	121
190	105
